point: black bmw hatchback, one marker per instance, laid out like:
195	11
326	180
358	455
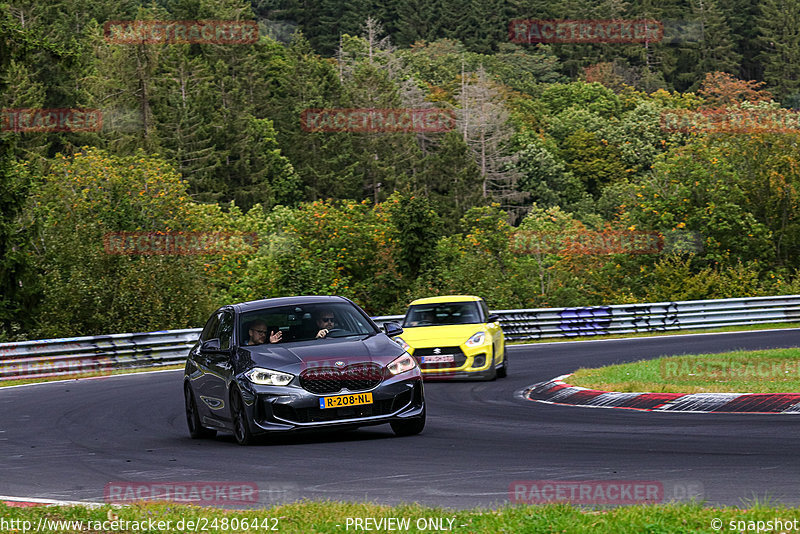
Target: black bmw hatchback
294	363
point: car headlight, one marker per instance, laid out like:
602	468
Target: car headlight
268	377
476	340
402	343
402	364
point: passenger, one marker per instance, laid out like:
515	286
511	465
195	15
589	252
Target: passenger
326	320
258	334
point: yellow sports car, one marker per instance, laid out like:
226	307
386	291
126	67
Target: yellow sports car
454	336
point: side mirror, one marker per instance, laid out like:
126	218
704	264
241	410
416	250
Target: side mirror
493	318
392	329
210	346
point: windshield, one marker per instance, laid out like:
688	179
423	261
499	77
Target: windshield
442	314
303	323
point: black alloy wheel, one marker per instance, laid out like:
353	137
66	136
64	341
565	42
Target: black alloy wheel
196	428
241	430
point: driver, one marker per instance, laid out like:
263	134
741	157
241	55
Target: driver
326	320
424	317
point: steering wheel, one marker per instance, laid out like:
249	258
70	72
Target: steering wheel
332	330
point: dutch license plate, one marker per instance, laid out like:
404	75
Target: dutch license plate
341	401
444	358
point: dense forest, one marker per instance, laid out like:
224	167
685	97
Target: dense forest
547	138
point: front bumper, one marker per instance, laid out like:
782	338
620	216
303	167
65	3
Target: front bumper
290	408
470	363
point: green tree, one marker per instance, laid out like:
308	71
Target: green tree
592	97
592	160
715	50
418	20
417	227
475	262
779	28
451	180
740	15
18	284
343	248
545	176
324	162
84	289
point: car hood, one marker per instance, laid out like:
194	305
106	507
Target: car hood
440	336
295	357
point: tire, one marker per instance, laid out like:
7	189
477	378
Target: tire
492	369
503	371
241	430
411	427
196	428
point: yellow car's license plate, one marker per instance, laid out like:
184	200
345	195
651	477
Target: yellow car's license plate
444	358
341	401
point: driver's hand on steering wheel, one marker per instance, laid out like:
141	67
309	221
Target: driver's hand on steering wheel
322	333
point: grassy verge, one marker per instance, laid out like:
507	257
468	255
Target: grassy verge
4	383
761	371
332	517
744	328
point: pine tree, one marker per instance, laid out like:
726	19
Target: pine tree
656	60
337	18
451	179
740	15
715	50
418	20
779	28
22	90
184	107
324	161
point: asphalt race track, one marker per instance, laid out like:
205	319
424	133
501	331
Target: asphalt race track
69	440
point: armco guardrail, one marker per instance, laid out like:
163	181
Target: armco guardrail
651	317
543	323
74	355
69	356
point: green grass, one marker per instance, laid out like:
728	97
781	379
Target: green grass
5	383
331	517
761	371
743	328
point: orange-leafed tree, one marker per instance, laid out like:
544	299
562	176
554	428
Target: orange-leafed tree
723	89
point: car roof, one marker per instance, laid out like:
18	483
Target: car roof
446	298
288	301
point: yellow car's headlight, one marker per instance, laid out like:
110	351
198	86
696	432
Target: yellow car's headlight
476	339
